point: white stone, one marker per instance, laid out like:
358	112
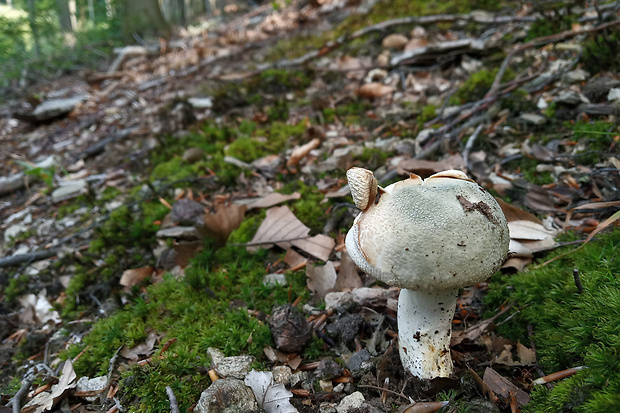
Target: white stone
351	402
13	231
91	385
282	374
71	188
614	94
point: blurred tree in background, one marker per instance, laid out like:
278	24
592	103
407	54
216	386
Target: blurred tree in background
45	38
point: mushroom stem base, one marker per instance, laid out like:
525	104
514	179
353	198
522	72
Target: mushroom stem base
424	330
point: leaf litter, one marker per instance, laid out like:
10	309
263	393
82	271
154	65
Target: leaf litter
570	194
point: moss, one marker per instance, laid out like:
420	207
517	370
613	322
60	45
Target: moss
309	207
518	101
478	85
197	312
172	170
602	52
596	138
17	286
373	158
552	23
247	229
570	328
528	169
427	113
383	10
66	209
278	134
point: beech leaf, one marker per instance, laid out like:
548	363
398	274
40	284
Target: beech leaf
283	228
272	397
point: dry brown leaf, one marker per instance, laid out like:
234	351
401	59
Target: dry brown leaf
283	228
273	199
294	259
426	168
513	213
528	230
348	276
425	407
394	41
374	90
300	152
354	67
226	219
539	199
517	263
47	400
525	356
502	386
416	43
321	279
144	349
609	221
135	276
184	251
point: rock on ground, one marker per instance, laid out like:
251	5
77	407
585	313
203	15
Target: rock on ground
227	396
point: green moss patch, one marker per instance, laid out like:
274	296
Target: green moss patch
570	328
206	308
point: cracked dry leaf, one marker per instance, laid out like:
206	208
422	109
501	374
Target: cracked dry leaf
524	356
144	349
47	400
321	279
348	276
273	199
272	397
502	386
135	276
220	224
283	228
374	90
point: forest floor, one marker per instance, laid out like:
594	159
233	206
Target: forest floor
176	220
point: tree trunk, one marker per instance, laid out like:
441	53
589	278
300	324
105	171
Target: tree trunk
65	21
91	10
32	17
143	17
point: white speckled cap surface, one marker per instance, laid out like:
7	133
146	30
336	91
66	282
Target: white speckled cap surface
445	233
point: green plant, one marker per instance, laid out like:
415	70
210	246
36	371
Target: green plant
602	52
570	328
44	174
197	311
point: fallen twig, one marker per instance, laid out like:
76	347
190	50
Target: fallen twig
470	144
558	375
542	41
16	400
379	27
174	405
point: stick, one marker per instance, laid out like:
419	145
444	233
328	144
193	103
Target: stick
379	27
470	145
174	406
16	400
541	41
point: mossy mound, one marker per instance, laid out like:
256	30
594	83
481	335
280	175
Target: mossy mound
570	328
207	308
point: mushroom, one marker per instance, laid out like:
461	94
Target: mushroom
430	238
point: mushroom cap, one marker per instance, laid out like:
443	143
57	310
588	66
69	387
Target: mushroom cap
446	232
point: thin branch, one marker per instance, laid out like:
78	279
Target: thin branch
16	400
542	41
174	405
380	27
470	144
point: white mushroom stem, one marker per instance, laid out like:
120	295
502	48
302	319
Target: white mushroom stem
424	331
